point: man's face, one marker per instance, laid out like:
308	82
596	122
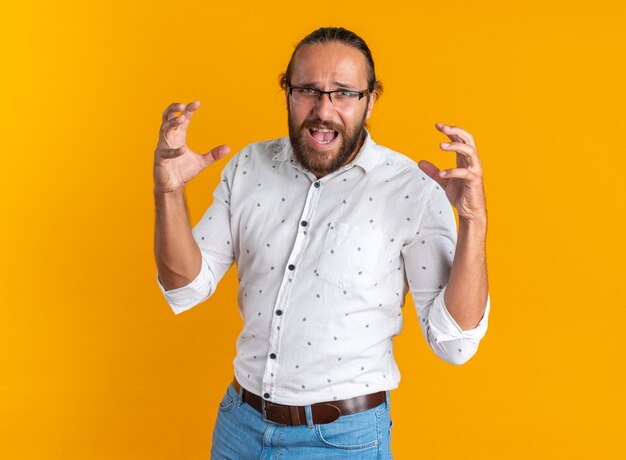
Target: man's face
328	67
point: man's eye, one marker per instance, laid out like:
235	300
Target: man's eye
308	91
347	94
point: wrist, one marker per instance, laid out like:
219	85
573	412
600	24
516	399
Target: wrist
168	198
477	221
160	192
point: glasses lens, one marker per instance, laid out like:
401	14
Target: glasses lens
304	95
345	98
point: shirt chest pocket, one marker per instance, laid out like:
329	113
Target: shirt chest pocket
350	256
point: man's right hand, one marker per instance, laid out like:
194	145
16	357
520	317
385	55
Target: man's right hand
175	164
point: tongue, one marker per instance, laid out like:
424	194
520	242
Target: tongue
323	136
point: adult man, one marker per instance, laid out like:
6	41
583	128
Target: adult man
329	231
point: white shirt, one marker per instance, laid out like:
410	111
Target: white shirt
324	266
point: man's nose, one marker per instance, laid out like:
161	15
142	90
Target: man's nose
324	108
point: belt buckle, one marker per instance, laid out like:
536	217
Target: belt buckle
264	411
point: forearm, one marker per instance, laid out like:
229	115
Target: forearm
177	254
466	293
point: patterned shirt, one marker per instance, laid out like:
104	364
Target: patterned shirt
324	266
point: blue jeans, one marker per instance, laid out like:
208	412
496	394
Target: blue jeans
240	433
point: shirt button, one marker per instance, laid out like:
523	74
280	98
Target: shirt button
266	395
304	223
279	312
291	267
273	356
317	184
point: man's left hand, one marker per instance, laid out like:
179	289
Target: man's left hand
464	184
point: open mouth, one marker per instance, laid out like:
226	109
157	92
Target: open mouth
323	136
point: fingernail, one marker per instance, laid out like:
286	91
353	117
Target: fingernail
445	144
442	173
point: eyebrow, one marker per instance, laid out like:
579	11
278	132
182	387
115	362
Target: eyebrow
344	85
339	84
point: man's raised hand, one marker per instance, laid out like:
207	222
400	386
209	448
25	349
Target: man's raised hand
464	184
175	164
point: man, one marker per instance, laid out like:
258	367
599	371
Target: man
329	231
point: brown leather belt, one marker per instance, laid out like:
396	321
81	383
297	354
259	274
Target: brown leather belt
324	412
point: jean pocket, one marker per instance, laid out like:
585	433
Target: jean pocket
350	256
350	432
228	401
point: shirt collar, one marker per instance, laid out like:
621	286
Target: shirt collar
367	158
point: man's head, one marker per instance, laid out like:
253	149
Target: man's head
326	135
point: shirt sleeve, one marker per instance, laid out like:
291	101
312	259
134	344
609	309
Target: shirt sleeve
428	262
213	236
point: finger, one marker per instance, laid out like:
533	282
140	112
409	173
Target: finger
190	109
171	110
169	153
215	154
453	130
172	123
431	171
458	173
467	151
461	134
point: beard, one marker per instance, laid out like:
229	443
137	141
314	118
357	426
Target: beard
322	162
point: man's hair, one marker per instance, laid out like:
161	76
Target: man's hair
326	35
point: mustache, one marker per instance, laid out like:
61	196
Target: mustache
318	123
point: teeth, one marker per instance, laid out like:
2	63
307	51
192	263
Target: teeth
323	130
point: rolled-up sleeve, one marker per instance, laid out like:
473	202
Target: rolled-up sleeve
446	337
428	262
213	236
185	297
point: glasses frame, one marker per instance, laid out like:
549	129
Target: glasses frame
320	93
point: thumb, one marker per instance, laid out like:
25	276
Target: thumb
431	170
215	154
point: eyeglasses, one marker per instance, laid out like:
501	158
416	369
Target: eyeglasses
341	98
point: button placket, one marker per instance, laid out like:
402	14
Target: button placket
284	292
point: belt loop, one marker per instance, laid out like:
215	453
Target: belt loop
309	416
388	399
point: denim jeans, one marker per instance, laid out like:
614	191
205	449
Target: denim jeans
240	433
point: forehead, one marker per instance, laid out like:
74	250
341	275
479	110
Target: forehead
328	64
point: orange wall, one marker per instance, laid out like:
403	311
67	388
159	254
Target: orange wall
94	364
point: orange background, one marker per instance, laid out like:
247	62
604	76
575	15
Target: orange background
95	365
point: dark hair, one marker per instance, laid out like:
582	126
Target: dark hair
325	35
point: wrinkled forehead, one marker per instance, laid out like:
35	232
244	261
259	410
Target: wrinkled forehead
329	65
